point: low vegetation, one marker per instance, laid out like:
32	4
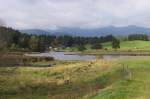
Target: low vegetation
18	59
99	79
137	87
73	80
136	45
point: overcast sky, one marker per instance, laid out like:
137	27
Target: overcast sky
52	14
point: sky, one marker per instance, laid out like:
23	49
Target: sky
52	14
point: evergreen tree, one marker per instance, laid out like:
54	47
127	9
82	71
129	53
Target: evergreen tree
115	43
34	43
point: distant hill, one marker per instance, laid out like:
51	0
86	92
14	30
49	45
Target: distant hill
35	31
91	32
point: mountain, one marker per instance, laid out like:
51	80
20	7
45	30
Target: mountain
36	31
91	32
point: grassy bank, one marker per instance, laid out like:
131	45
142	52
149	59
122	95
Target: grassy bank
99	79
73	80
125	46
138	87
131	46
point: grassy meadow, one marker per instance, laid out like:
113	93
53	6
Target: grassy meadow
73	80
126	78
125	46
137	87
99	79
131	46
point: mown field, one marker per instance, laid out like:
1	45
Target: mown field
99	79
136	45
131	45
126	48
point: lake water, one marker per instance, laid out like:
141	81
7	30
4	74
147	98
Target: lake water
65	56
75	57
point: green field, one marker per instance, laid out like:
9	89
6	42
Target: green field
131	45
126	46
99	79
137	87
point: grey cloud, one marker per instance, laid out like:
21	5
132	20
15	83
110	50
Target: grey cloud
74	13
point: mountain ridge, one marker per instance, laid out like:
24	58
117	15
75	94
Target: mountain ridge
127	30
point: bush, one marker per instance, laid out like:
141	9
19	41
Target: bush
97	46
81	48
48	58
29	59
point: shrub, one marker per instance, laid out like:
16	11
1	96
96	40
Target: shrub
97	46
81	48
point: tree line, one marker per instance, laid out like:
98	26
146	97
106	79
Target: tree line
14	40
143	37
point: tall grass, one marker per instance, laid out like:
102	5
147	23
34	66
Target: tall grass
135	85
71	81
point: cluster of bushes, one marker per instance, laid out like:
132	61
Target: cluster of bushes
115	45
20	60
29	59
97	46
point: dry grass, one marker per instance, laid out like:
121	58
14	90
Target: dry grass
73	80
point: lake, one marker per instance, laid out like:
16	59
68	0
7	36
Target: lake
69	56
65	56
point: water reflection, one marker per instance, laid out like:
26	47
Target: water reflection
65	56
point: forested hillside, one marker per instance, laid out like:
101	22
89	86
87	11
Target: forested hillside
16	41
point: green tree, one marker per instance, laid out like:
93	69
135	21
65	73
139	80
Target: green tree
24	41
42	44
34	43
97	46
115	43
81	48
